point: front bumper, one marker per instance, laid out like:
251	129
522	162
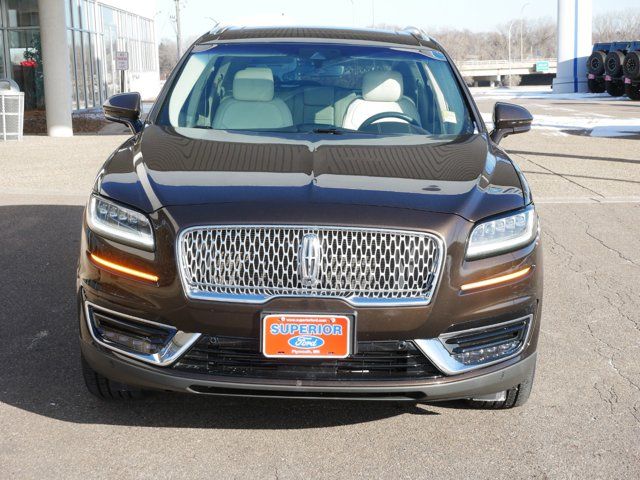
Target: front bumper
490	379
482	382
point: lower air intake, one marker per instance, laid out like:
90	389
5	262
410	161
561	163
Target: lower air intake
241	357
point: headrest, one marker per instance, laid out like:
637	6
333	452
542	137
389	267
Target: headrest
380	86
253	85
318	96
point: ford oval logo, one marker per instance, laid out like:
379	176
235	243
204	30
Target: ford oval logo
306	341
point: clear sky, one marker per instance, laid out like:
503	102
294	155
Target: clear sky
480	15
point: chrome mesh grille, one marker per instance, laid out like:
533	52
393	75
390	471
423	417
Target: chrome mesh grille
363	266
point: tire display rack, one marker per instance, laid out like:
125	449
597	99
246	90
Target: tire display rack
615	68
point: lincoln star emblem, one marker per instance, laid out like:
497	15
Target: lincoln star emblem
309	260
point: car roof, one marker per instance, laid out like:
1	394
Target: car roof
408	37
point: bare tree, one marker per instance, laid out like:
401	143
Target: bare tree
623	25
539	38
167	53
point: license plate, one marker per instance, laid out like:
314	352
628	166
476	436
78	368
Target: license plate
306	336
591	76
607	78
627	81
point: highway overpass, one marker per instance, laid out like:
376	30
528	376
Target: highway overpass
495	71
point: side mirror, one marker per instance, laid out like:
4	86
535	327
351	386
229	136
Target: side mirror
509	119
124	108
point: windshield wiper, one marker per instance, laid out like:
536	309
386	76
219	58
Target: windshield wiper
330	131
339	131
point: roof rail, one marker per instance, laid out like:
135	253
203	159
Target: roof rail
419	33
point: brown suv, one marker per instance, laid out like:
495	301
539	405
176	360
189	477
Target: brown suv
312	213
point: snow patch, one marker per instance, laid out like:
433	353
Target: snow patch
591	126
537	93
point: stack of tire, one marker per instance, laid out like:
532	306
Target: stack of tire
615	68
631	70
595	67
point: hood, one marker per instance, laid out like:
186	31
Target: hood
177	167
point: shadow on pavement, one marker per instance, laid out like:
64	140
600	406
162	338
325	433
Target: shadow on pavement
619	132
40	353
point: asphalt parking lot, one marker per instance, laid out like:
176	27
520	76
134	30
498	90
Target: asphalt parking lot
582	421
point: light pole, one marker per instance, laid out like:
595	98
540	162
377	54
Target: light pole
178	31
509	49
521	28
353	13
373	13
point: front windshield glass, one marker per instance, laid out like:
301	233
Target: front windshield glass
332	89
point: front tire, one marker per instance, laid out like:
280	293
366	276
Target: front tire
596	86
615	89
106	389
613	63
596	62
633	91
516	396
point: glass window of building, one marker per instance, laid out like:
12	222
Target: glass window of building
88	70
75	14
72	62
26	65
95	33
2	72
22	13
79	67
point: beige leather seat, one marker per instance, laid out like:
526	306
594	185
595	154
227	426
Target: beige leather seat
321	105
381	92
253	105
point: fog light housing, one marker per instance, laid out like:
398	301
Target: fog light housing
126	334
465	350
144	340
477	355
132	342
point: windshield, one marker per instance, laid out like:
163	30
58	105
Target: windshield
332	89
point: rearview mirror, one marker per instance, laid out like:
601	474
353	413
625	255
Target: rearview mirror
124	108
332	71
509	119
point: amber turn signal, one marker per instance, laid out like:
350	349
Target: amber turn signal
495	280
117	268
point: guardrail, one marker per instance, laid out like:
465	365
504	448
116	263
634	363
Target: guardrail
495	70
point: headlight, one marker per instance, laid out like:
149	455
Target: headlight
503	234
119	223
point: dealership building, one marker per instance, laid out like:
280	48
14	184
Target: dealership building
63	53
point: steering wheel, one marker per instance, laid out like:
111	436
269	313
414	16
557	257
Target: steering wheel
379	116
